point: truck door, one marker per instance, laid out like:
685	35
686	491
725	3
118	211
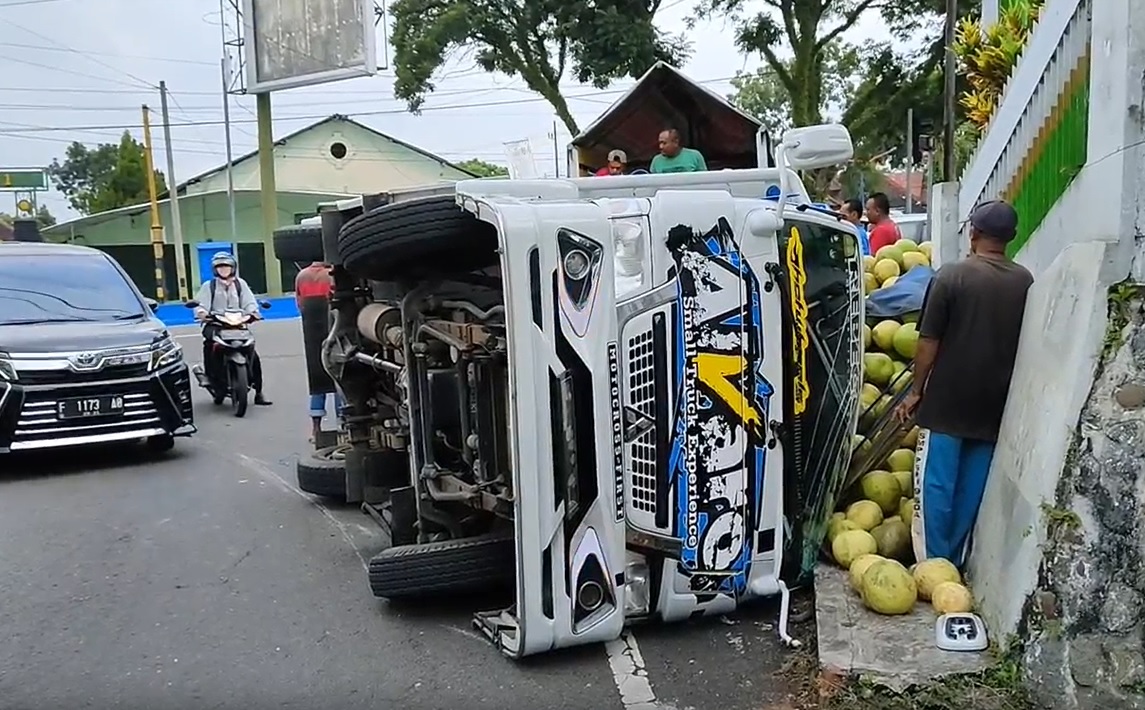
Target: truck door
557	269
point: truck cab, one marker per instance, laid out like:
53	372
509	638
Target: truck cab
595	389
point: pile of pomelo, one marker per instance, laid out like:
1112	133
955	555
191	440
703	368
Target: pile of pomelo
871	536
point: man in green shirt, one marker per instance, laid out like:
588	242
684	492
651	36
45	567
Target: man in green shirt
675	158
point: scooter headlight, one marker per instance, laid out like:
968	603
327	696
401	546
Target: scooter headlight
166	352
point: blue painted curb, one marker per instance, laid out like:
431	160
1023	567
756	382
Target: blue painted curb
173	314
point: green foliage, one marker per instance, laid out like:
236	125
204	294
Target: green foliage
106	177
480	168
537	40
987	56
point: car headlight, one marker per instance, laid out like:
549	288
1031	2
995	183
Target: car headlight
166	352
7	370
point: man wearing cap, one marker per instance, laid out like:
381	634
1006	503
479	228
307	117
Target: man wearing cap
968	339
617	163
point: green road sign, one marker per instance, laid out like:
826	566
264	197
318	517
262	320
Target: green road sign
23	179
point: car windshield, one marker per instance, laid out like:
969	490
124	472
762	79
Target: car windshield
53	288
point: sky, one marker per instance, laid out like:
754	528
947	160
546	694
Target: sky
80	70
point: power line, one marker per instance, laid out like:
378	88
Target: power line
72	50
318	117
92	52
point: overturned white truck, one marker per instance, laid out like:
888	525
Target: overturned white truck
629	398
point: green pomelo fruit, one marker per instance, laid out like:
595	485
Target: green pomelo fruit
906	341
883	334
894	540
880	487
850	545
866	514
888	588
878	368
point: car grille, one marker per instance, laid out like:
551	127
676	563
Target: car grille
38	420
68	377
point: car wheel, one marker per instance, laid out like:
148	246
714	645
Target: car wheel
323	473
298	243
408	240
444	567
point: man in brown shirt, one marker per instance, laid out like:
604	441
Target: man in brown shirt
969	329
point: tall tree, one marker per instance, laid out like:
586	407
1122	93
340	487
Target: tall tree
482	168
594	41
103	178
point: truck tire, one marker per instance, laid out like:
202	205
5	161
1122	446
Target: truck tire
444	567
298	243
430	236
323	473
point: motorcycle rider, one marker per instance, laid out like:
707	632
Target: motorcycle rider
226	291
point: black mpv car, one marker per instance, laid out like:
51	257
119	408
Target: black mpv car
83	359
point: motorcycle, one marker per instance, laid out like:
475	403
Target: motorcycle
233	345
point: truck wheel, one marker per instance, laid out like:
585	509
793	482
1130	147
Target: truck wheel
323	473
298	243
407	240
447	566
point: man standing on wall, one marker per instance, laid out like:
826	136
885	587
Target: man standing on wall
969	329
674	157
312	288
884	232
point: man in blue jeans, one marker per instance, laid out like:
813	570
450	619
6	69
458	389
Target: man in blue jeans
969	329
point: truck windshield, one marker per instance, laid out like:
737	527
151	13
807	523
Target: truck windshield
52	288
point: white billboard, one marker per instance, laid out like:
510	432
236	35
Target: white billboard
293	43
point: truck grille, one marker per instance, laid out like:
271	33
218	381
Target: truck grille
38	420
641	397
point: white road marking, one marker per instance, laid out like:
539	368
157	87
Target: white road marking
267	473
629	674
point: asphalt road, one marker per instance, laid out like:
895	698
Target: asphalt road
206	579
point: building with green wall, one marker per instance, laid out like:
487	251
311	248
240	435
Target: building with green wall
332	159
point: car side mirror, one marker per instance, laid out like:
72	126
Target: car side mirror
152	304
191	304
264	304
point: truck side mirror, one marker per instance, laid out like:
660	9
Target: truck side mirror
814	147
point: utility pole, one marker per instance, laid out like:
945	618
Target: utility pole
227	129
556	153
948	159
173	196
230	159
909	160
156	226
268	191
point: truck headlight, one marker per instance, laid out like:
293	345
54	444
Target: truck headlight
7	370
166	352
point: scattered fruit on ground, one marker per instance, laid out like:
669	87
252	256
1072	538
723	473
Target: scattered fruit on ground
889	252
910	440
839	525
906	510
883	334
952	598
888	588
894	540
889	282
859	567
905	479
882	488
848	546
928	574
928	249
886	268
906	341
912	259
901	460
878	368
870	284
866	337
866	514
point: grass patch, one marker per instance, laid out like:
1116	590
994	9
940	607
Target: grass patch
998	688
